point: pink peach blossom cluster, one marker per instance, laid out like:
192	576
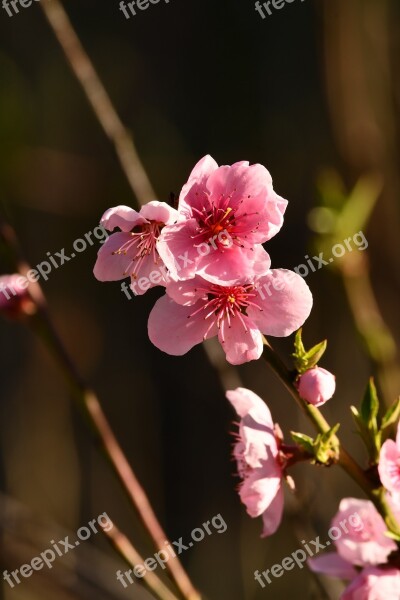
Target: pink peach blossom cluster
366	556
209	256
363	554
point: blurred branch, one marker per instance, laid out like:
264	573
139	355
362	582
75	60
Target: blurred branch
369	321
91	408
341	217
124	547
83	575
360	73
99	100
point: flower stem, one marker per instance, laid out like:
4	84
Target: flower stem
346	461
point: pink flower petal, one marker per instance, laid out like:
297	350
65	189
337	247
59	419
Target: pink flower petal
172	330
109	266
186	292
285	300
374	584
272	516
240	345
246	402
258	492
150	275
364	543
160	212
240	182
256	428
389	466
234	265
176	247
332	564
123	217
192	194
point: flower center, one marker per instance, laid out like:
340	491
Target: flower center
141	245
222	304
212	220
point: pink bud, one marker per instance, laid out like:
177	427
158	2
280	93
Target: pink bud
316	386
14	298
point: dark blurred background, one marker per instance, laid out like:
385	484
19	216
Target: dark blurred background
310	90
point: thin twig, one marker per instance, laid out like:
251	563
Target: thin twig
90	405
125	548
99	100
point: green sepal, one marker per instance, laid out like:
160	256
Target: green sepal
370	406
306	359
371	439
314	355
366	420
324	449
392	415
305	441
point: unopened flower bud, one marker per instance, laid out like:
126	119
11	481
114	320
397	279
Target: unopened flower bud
316	385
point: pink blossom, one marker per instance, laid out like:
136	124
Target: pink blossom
226	211
15	300
133	250
317	385
332	564
195	310
374	584
364	543
256	453
389	465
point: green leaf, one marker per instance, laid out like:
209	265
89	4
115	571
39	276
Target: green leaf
392	415
361	426
306	359
314	355
325	448
370	437
370	406
326	437
298	344
305	441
